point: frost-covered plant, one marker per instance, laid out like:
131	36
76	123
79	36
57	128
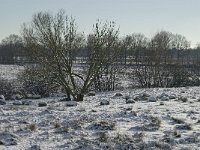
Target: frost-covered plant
32	127
154	123
57	125
103	136
126	141
65	129
156	145
34	82
183	99
62	130
6	88
75	124
103	125
122	139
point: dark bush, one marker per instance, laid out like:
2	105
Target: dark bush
6	88
34	82
180	77
150	76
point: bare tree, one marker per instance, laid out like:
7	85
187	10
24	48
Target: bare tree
152	72
159	45
133	45
12	39
180	44
103	52
53	41
160	67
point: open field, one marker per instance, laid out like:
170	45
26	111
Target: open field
10	71
149	119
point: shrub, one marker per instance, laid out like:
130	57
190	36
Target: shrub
125	141
103	125
32	127
57	125
6	88
65	129
148	76
34	82
103	136
153	124
122	139
183	99
180	77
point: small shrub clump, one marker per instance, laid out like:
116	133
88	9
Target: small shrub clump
32	127
34	82
103	125
183	99
103	137
153	124
57	125
6	88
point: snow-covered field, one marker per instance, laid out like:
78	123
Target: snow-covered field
10	71
146	119
168	122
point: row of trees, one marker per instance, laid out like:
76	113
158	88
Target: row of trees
163	43
65	57
11	49
166	60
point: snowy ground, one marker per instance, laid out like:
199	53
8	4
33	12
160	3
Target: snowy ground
10	71
172	121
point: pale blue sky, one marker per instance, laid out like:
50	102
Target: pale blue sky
144	16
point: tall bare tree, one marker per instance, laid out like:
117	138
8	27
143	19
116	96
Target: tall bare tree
53	42
133	45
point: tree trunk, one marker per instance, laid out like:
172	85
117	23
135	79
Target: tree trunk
79	97
68	96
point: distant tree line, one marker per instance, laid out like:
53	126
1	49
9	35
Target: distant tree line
165	60
12	50
135	49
